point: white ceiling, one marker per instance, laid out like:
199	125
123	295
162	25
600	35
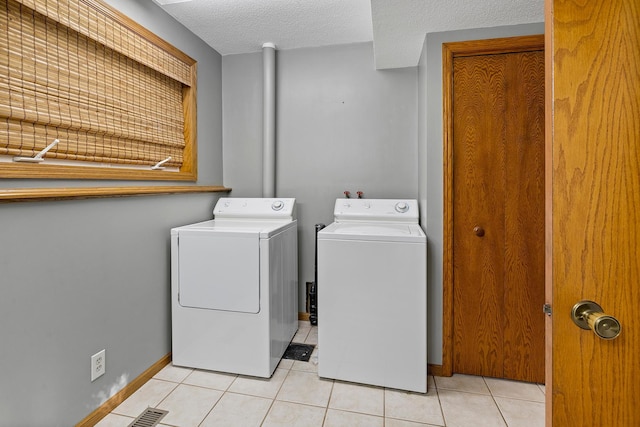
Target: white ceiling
397	27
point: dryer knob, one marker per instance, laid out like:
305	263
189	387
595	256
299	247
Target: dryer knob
402	207
277	205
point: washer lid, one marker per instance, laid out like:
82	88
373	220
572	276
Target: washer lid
373	231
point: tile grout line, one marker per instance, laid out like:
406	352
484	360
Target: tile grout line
435	385
384	407
264	418
326	409
490	394
273	401
168	394
495	402
217	401
209	388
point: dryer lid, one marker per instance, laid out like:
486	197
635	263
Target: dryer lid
263	229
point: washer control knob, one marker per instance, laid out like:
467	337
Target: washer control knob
402	207
277	205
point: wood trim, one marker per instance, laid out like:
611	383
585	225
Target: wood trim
449	52
447	215
188	170
42	194
108	406
436	370
549	30
495	46
303	316
52	171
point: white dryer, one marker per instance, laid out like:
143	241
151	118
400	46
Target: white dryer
372	295
234	287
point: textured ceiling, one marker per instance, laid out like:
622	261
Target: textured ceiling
397	27
241	26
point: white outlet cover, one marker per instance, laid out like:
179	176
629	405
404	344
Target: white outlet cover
98	365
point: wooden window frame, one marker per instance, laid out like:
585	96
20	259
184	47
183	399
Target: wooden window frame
188	170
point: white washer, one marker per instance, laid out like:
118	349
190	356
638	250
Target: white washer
234	287
372	295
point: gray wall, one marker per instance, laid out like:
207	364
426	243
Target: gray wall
85	275
430	159
341	125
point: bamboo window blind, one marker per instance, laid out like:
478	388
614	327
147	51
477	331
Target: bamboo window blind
111	92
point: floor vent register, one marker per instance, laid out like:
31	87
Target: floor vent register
149	418
301	352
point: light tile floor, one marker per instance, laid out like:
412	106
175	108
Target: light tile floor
296	396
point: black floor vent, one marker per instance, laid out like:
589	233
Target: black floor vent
297	351
149	418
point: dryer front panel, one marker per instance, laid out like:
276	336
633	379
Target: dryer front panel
219	271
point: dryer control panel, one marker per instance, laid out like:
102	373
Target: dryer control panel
393	210
255	208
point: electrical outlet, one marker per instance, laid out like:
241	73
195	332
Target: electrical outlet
98	365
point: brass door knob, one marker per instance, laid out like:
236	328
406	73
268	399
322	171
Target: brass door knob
478	231
589	315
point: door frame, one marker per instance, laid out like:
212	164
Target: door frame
449	52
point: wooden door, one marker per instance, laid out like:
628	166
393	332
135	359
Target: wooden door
593	209
498	215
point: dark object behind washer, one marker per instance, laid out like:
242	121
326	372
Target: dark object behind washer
313	292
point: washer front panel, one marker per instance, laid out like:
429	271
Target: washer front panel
372	313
